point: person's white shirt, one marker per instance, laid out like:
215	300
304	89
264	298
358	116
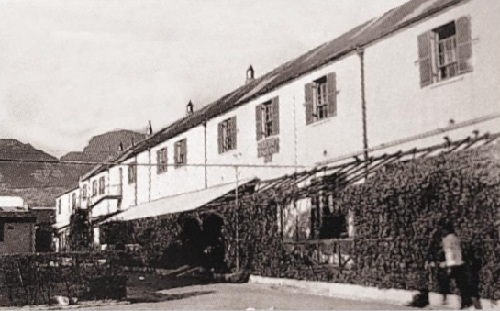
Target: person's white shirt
452	250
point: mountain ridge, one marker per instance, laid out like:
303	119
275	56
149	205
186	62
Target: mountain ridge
44	177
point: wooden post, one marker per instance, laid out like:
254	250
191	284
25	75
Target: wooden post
237	221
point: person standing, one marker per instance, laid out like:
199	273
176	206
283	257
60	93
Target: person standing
454	265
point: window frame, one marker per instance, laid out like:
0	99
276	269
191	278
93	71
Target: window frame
445	52
320	99
102	185
226	136
180	152
84	191
132	173
162	160
95	188
73	201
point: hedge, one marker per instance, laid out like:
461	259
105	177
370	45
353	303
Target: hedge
34	279
396	211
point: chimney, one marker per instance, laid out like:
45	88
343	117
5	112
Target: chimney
189	108
250	74
150	129
132	141
120	147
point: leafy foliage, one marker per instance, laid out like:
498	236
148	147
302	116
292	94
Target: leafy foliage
396	213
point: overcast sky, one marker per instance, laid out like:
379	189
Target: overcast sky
71	69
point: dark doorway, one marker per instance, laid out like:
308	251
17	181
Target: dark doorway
213	241
192	244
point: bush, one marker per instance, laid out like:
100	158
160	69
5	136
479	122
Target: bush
34	278
396	212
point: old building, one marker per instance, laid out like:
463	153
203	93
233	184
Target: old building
17	226
65	207
406	79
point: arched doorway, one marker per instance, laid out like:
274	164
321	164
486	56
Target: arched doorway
213	243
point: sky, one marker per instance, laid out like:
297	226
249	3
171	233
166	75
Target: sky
72	69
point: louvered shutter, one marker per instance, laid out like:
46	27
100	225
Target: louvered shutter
233	129
158	161
331	87
276	115
424	58
258	121
464	44
219	137
309	103
184	150
165	158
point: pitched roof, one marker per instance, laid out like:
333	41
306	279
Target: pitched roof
373	30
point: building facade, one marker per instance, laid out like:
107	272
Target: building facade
420	72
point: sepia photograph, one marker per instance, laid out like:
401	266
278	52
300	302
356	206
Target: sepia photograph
250	154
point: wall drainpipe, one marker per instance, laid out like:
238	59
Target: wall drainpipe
206	178
361	53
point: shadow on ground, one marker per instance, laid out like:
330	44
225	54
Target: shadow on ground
143	287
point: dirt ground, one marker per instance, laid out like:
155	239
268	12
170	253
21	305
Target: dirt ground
190	292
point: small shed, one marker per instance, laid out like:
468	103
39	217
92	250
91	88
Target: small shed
17	227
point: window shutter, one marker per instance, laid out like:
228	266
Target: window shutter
464	44
165	158
331	86
158	161
184	150
424	58
276	115
258	121
219	137
309	103
232	127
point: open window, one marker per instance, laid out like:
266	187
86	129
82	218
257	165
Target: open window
321	98
445	52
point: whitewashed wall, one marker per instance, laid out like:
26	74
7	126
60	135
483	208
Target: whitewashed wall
398	107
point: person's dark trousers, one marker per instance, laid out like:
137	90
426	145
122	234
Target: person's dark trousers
443	280
458	273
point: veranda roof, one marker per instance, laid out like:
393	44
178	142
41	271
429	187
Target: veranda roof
177	203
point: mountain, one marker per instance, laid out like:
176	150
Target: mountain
105	146
40	180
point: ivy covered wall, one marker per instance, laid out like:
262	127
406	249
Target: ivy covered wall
396	212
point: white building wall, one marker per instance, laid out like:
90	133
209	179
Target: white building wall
300	144
397	107
64	213
129	189
184	178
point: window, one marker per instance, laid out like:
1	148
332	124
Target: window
445	52
94	188
180	152
132	173
226	135
59	206
161	160
321	98
73	201
328	221
102	185
84	191
267	119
